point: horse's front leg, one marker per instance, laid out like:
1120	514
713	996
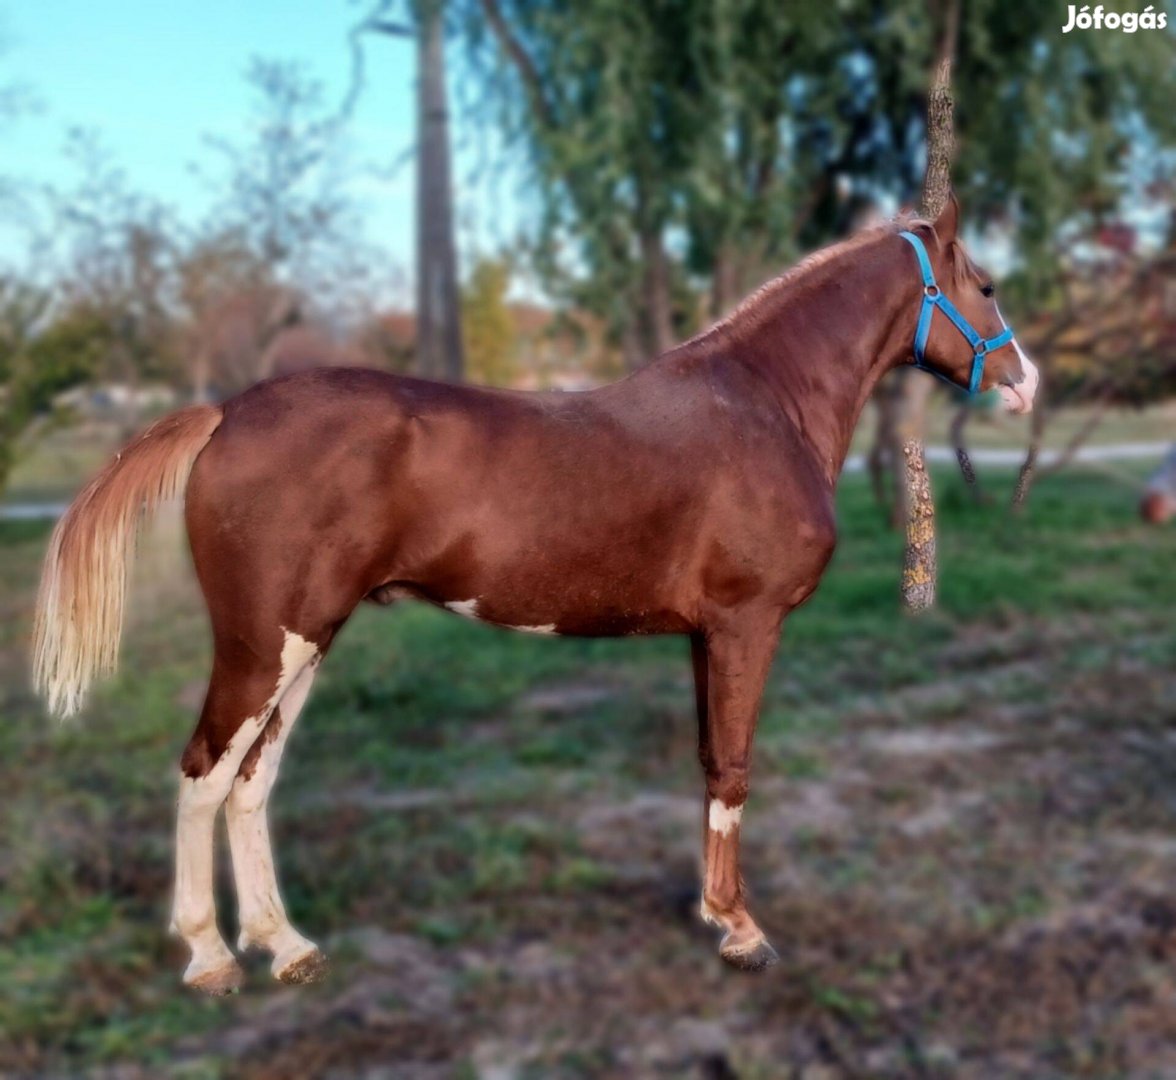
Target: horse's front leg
730	667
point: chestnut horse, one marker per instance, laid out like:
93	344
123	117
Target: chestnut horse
694	497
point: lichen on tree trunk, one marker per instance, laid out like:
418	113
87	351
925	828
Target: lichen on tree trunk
920	564
940	140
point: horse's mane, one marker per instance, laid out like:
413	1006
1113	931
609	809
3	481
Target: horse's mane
765	300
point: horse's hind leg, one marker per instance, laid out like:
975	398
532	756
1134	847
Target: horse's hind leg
264	924
247	684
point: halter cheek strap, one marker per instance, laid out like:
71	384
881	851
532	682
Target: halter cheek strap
933	297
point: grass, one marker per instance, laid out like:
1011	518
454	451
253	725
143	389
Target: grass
521	816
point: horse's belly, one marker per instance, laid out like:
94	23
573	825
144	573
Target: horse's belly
561	535
556	587
581	620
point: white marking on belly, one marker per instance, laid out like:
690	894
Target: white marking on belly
723	818
469	608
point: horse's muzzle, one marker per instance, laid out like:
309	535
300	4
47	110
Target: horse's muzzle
1018	396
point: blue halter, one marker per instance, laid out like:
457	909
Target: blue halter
933	297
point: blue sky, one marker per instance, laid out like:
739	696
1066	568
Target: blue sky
155	77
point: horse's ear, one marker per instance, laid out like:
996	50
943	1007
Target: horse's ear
948	222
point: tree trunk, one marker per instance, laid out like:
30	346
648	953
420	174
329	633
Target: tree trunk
201	375
940	136
920	561
439	347
880	460
725	290
658	304
632	351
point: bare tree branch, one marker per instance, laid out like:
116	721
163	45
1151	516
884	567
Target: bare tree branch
962	415
1102	403
524	65
393	29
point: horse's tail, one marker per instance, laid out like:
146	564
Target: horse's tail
84	580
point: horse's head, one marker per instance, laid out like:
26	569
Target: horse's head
966	339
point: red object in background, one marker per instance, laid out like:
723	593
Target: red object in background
1156	508
1159	497
1118	237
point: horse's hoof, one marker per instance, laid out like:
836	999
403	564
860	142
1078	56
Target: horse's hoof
307	968
754	956
218	982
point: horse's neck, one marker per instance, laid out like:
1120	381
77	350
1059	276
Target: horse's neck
826	345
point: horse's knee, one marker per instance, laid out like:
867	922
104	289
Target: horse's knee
198	757
205	794
728	786
248	793
218	745
209	770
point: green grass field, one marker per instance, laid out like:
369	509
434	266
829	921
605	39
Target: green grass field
961	835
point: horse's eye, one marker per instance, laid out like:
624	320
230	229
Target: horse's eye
989	289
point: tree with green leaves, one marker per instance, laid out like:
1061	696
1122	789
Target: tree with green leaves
487	325
39	358
594	103
720	140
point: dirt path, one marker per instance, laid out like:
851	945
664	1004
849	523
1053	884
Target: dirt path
1013	457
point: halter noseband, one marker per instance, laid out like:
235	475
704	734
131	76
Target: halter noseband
933	297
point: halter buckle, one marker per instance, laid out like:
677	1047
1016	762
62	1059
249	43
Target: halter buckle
931	291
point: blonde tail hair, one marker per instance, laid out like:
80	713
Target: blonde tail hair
84	580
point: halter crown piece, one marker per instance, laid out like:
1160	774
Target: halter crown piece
933	297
